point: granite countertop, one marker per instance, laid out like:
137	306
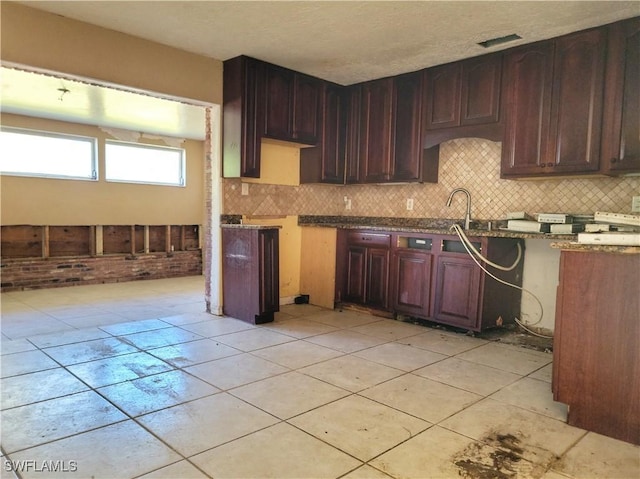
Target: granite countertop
597	248
425	226
250	227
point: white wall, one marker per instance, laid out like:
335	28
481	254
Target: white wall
540	277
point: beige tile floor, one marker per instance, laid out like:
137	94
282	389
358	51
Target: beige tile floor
135	380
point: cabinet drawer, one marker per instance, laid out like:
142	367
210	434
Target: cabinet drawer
369	239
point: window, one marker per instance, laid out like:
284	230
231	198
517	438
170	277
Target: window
138	163
48	155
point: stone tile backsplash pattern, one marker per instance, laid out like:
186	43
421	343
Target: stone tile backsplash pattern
470	163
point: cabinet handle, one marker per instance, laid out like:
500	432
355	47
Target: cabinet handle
550	165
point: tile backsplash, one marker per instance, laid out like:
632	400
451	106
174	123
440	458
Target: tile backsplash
470	163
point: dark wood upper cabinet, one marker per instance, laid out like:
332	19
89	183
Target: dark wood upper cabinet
576	103
389	146
621	141
243	119
261	100
407	127
352	139
554	96
528	81
376	133
325	163
480	90
293	102
562	107
279	102
463	99
443	96
307	108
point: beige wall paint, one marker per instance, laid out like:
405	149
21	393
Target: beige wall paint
43	201
279	163
318	265
51	42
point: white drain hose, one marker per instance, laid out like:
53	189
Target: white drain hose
474	253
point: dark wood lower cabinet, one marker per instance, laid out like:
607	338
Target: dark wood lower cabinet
596	347
355	274
412	287
250	270
457	291
429	277
377	292
362	268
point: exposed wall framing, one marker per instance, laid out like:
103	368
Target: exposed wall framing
29	241
52	256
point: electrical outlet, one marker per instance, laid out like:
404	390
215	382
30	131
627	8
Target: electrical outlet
244	189
347	203
635	204
409	204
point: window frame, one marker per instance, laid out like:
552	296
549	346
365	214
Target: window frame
182	183
93	141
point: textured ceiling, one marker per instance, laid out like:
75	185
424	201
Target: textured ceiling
345	42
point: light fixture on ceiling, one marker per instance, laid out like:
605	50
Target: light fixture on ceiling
500	40
63	91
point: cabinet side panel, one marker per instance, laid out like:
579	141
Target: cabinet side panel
598	373
240	274
232	118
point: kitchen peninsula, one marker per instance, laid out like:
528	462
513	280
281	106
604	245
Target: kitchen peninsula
596	363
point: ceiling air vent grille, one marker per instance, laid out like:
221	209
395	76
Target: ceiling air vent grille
499	41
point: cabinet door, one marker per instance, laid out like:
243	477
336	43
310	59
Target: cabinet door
443	96
352	157
269	271
376	131
412	283
576	103
279	97
306	109
621	141
407	147
253	119
528	82
377	278
480	90
355	274
457	291
333	158
243	110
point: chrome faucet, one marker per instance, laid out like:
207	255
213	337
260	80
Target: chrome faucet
467	218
